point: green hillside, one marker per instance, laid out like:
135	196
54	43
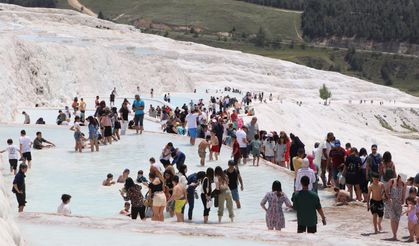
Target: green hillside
210	15
278	38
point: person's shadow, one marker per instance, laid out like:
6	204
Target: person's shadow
372	233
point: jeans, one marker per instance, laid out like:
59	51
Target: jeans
191	202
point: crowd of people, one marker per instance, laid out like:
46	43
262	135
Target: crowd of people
353	174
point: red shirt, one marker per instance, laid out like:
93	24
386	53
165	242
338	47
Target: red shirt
338	156
234	116
236	149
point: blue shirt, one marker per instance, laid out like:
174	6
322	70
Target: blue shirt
136	107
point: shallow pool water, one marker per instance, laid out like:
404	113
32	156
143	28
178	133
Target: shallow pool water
60	170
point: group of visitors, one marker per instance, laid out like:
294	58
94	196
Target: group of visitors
353	174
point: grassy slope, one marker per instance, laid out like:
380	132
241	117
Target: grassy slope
212	15
222	15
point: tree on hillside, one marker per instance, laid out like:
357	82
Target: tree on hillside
260	38
325	93
101	16
385	73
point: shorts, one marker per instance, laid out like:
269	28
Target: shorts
235	194
243	152
192	132
27	156
77	136
256	153
308	229
215	148
236	160
202	154
179	204
21	199
377	207
108	131
13	163
159	199
139	118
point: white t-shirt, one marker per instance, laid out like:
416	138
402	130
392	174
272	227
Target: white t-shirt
328	146
159	166
304	172
26	144
64	209
13	151
269	148
191	119
241	137
317	156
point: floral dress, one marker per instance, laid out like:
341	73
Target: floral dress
275	215
394	208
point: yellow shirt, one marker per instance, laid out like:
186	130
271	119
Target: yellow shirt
297	162
82	105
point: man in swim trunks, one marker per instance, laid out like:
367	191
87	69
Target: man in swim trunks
179	196
205	143
375	203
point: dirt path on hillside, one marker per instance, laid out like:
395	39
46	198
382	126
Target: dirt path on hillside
80	7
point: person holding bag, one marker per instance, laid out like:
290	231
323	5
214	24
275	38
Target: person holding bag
206	195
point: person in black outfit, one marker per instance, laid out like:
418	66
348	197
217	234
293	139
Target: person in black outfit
296	144
19	186
218	128
124	112
234	178
207	192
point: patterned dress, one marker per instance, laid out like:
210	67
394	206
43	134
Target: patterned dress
395	206
275	216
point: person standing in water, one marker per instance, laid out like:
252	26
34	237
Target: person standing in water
77	134
19	186
224	194
82	107
27	120
25	148
191	120
124	112
306	203
93	133
138	107
206	195
13	151
132	192
275	219
179	197
234	178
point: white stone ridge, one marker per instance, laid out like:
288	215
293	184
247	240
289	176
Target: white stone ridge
69	54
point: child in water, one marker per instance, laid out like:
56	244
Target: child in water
109	180
140	177
125	210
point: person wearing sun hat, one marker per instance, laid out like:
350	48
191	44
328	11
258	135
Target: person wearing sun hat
305	170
